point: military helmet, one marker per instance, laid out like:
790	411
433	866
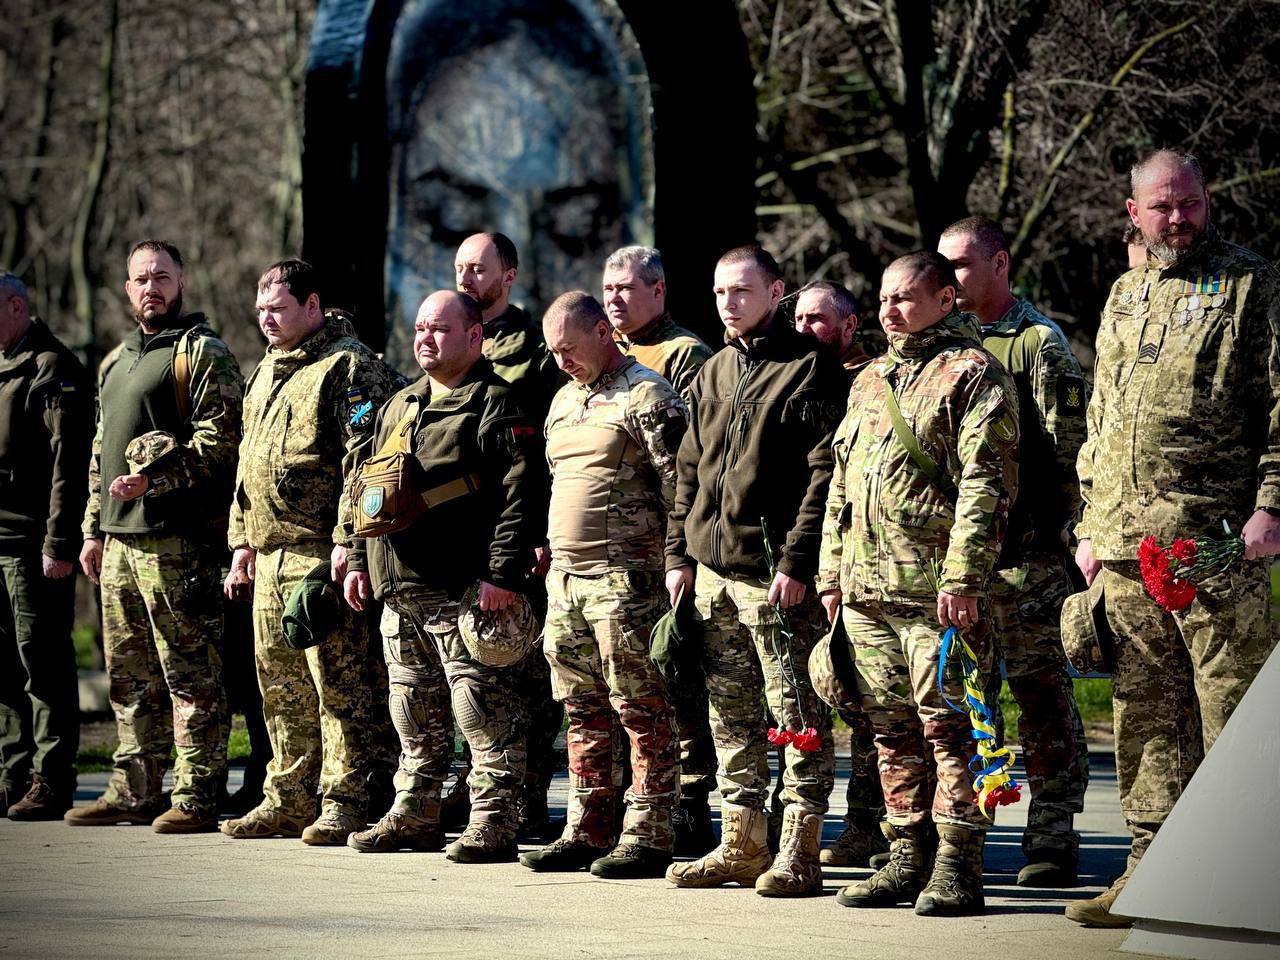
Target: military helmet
1087	639
831	670
498	638
146	449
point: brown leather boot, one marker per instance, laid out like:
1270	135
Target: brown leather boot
903	877
955	889
743	853
185	818
795	871
100	813
41	802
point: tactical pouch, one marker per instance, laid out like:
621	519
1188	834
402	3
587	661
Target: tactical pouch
383	497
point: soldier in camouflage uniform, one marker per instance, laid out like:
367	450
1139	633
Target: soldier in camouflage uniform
309	406
612	437
485	267
1184	434
1031	581
752	475
484	485
891	514
827	312
157	500
635	293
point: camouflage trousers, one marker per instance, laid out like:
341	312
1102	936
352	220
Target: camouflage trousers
489	711
1177	679
317	701
161	617
864	794
597	643
742	639
1025	605
924	745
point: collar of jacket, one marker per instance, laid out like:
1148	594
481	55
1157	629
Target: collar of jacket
420	392
167	335
32	339
1207	248
777	341
510	320
335	328
604	378
955	329
652	332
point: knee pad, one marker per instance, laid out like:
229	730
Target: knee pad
408	714
469	712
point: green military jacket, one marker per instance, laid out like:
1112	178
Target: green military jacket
885	520
519	356
1052	399
1184	423
307	412
671	351
612	450
46	425
137	393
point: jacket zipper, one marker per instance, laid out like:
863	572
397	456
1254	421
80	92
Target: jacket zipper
730	449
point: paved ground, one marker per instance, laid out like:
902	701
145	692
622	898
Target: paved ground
127	892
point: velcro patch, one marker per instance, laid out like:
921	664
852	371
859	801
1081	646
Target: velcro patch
1071	395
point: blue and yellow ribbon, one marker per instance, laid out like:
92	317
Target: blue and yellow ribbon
991	765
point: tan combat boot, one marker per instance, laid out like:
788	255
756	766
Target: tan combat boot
264	821
332	828
903	877
186	818
795	871
1097	911
398	831
41	802
102	813
955	889
743	853
855	847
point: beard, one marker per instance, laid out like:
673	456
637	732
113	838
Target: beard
1166	252
162	320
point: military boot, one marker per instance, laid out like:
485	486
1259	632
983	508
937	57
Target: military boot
562	856
955	889
691	825
795	871
455	808
398	831
1050	868
1096	912
903	877
101	813
855	847
743	853
632	861
264	821
332	828
533	819
482	843
41	802
186	818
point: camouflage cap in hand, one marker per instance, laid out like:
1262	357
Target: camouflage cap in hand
314	607
498	638
831	669
1087	639
145	450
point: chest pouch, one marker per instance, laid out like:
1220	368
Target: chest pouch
384	498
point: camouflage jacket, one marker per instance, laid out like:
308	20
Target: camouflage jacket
612	451
519	356
307	412
1184	423
187	486
670	351
886	521
1052	398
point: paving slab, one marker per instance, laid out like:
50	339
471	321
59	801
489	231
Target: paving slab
108	892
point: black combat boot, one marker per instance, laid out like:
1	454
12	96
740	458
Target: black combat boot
955	889
903	877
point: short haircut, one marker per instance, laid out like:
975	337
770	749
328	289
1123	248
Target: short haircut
1175	158
577	307
300	278
507	255
469	305
1132	234
754	254
645	261
988	235
841	299
155	246
11	285
927	265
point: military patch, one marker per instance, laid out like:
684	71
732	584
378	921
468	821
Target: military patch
1071	395
1210	283
1004	427
67	386
371	502
360	414
1149	350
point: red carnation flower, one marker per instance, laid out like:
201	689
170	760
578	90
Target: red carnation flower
1184	551
807	740
780	738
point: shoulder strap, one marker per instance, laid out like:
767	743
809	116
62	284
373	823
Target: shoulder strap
400	439
909	442
182	374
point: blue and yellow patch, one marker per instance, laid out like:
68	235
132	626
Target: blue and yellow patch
1206	283
360	414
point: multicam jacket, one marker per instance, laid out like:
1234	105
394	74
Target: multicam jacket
1184	423
886	521
612	450
306	413
669	350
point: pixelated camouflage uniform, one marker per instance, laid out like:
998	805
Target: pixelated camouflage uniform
612	447
308	410
1184	433
758	454
1026	594
161	562
485	531
886	522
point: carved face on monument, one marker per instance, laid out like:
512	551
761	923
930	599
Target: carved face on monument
508	116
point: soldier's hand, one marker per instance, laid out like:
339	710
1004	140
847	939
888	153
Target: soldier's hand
786	591
494	598
958	612
338	564
1261	536
55	569
239	583
128	487
1086	562
91	558
830	600
679	580
542	561
356	589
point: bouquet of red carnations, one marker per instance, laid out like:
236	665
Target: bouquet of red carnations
1171	574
